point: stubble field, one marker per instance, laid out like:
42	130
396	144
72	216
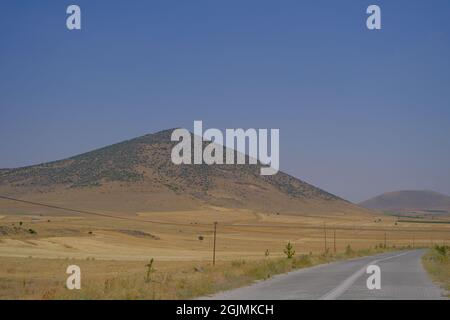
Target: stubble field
113	252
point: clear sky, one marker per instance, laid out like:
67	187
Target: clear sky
360	112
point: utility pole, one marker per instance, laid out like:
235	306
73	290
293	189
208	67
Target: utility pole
385	240
414	240
325	236
334	241
214	246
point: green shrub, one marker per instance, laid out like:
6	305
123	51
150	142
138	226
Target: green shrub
441	250
289	250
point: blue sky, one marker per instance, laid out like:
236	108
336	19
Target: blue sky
360	112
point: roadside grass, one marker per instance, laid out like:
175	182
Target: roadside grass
437	262
201	279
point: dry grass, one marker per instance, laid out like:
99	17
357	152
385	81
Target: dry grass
29	278
437	263
113	261
239	234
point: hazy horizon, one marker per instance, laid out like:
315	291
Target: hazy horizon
360	112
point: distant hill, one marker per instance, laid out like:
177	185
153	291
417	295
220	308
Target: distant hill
409	201
137	175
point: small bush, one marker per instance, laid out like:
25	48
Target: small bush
289	250
441	250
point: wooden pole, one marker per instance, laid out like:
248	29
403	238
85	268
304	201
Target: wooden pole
334	241
325	236
385	240
214	246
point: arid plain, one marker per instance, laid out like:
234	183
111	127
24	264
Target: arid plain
181	244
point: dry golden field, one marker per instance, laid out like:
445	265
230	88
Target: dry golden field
35	250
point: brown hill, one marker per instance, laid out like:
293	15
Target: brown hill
410	200
138	176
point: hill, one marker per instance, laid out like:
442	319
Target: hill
409	201
137	175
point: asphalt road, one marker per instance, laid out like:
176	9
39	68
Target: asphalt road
402	277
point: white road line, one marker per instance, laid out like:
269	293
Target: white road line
347	283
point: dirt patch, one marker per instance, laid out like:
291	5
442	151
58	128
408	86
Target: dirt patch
8	231
137	233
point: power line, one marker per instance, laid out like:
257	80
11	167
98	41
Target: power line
239	226
99	214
